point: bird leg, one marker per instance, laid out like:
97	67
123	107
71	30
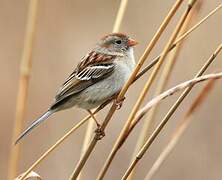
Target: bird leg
119	103
100	133
114	98
93	117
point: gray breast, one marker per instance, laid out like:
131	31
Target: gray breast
98	93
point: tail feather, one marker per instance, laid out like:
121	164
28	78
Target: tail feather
35	124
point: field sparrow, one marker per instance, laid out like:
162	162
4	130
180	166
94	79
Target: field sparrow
99	76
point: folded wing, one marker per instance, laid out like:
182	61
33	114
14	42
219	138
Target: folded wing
93	68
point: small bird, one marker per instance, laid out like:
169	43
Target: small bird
99	76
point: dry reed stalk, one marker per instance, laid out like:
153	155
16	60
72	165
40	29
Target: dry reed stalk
181	98
167	117
149	66
174	90
155	60
25	70
120	14
116	27
120	97
142	96
24	175
44	155
88	135
200	22
162	82
157	100
180	129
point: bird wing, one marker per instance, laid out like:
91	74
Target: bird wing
92	68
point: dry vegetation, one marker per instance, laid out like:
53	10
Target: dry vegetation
162	64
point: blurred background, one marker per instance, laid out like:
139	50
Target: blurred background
65	31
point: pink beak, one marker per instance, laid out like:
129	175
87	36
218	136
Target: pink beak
132	42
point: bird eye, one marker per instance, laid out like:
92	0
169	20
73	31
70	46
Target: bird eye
118	41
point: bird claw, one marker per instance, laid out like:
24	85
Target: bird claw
99	133
119	103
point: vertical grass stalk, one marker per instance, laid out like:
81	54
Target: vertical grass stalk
168	115
165	75
25	70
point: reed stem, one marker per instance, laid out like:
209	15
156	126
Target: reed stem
168	115
179	131
24	77
164	78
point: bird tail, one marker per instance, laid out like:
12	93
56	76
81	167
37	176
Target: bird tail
35	124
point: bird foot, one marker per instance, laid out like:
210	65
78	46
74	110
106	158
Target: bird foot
99	133
119	103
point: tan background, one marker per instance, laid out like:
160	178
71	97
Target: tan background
66	30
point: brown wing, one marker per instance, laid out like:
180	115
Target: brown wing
94	58
93	68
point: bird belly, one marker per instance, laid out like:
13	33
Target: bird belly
101	91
